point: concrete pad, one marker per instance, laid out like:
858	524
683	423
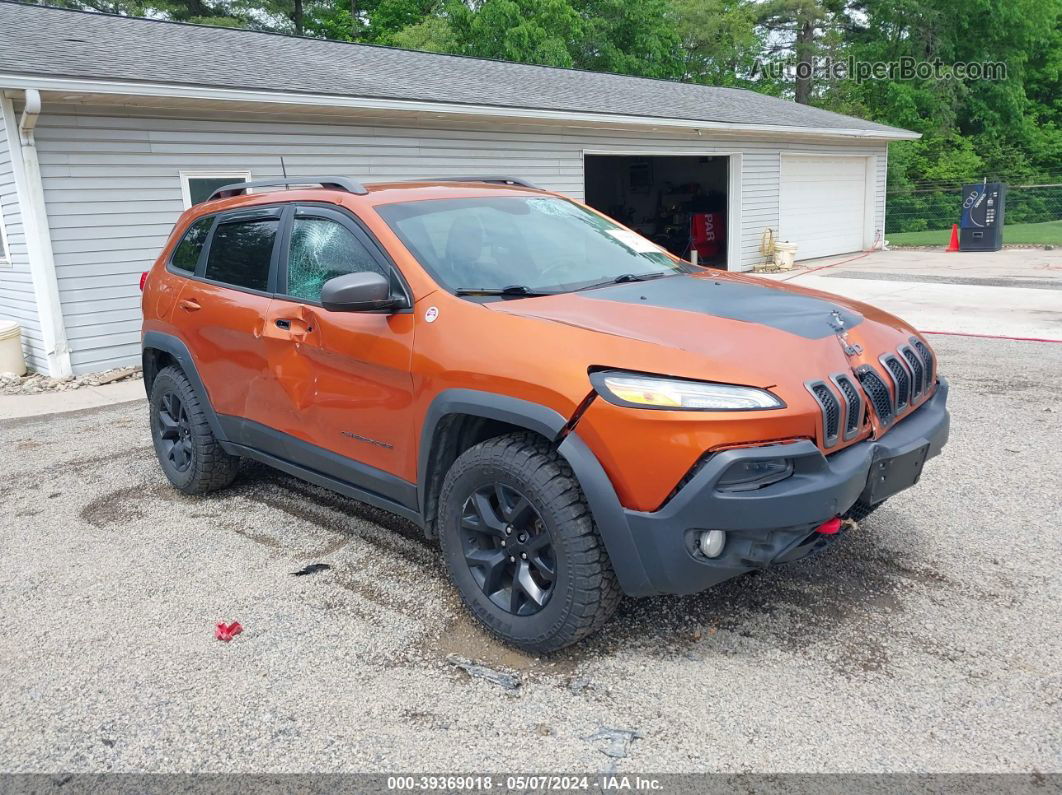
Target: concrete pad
1009	293
1013	263
87	397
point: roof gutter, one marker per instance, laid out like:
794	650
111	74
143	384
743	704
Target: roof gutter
194	92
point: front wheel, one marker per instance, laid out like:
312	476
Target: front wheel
521	546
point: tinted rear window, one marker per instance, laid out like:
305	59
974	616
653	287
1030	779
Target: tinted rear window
240	253
186	255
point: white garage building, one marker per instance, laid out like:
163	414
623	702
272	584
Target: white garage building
111	126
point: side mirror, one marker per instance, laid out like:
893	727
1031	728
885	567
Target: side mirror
357	292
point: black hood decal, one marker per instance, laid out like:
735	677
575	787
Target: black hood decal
805	316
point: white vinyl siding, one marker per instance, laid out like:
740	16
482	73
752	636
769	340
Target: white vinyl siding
17	300
113	189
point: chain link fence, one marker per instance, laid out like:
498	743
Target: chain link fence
937	205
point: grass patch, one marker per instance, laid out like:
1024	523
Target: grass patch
1047	233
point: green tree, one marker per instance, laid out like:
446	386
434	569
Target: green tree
720	42
433	33
547	32
1005	128
634	37
795	31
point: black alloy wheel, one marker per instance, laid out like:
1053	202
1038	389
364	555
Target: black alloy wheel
191	457
521	546
508	549
175	432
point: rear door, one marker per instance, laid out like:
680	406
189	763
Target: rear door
221	311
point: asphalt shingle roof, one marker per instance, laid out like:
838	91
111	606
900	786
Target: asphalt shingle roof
53	42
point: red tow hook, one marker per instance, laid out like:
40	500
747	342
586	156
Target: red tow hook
830	526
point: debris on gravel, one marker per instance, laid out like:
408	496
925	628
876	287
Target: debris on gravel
34	383
615	742
313	568
227	632
579	684
508	681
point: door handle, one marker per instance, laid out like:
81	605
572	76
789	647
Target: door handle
283	323
190	304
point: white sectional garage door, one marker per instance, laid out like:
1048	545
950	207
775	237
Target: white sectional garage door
822	204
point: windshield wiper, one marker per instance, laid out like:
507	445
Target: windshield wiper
512	289
628	277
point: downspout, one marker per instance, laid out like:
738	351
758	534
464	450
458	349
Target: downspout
27	172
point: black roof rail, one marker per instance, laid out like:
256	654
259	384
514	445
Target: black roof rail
332	183
523	183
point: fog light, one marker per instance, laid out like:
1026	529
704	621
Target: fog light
711	543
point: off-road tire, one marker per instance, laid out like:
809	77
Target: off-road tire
585	592
210	467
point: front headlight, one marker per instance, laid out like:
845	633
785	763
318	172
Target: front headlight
656	392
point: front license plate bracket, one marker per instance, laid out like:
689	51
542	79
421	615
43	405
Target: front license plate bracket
892	475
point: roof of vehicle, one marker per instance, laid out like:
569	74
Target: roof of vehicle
61	43
374	193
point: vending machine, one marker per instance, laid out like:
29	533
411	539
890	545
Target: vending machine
981	228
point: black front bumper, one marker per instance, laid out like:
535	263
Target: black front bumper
656	552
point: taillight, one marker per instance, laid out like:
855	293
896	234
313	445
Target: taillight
143	280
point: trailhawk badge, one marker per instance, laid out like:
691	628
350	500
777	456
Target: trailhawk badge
837	324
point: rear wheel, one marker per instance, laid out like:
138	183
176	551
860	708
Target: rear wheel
187	449
521	546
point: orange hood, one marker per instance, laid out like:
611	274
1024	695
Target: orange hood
732	328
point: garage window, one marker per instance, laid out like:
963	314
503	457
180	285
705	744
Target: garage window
196	186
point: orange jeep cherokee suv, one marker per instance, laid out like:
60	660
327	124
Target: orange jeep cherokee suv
573	412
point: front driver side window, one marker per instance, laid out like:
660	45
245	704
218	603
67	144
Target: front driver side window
322	250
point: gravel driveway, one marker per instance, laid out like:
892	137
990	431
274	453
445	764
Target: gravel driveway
928	639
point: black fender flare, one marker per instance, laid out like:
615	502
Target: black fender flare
175	347
604	504
609	516
489	405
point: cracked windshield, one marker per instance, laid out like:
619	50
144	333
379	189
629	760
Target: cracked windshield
523	245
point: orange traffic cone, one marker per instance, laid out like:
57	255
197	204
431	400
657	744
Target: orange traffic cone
954	244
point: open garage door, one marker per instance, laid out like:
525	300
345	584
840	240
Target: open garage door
823	207
680	202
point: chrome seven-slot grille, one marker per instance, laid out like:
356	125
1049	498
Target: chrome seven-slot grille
909	369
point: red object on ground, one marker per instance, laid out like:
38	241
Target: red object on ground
227	632
954	244
830	526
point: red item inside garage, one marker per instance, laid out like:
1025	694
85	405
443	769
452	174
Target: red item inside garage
707	234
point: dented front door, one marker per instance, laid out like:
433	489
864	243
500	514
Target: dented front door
344	377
